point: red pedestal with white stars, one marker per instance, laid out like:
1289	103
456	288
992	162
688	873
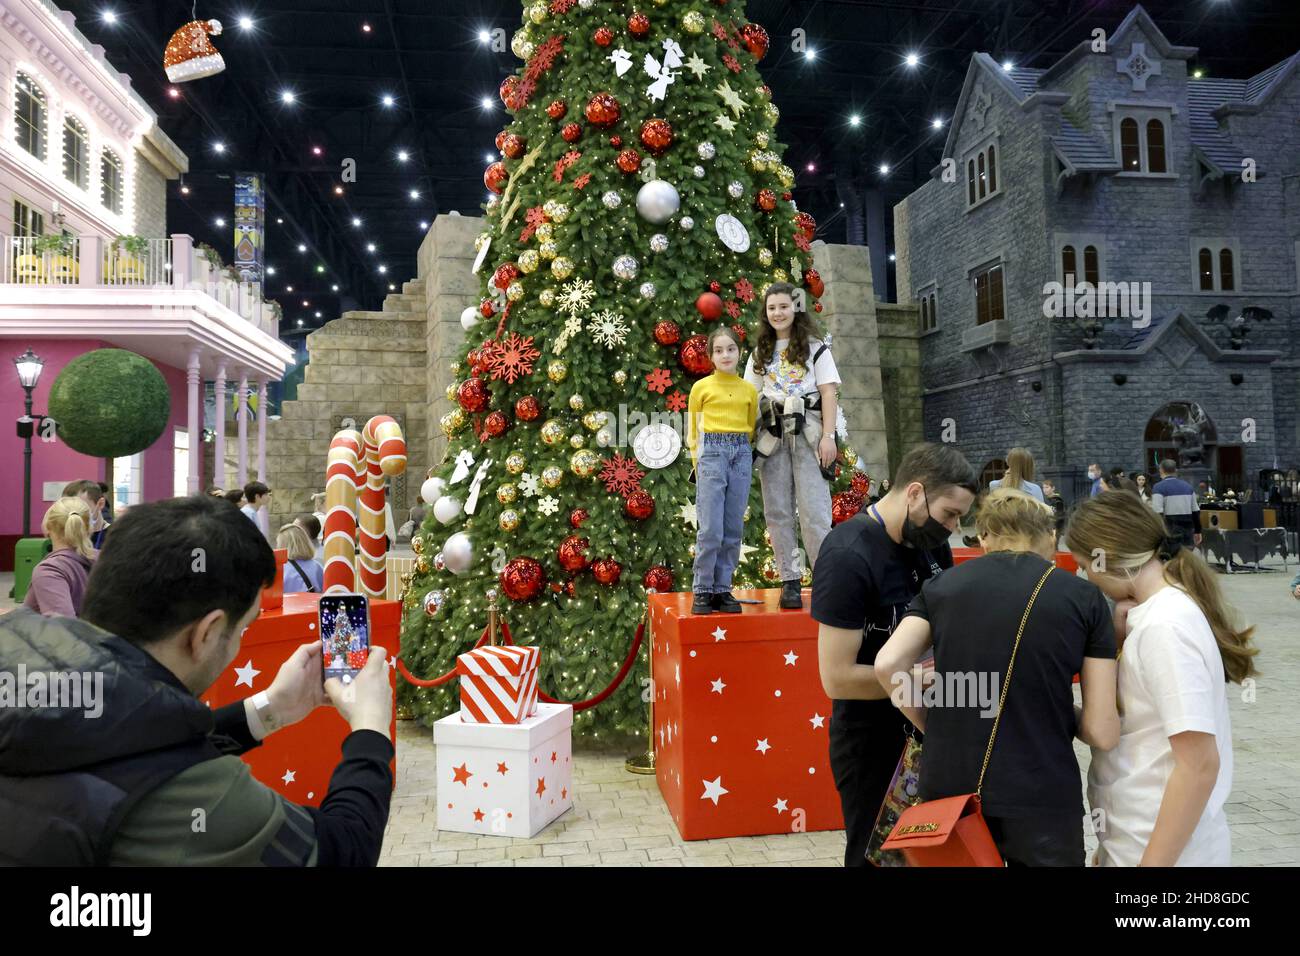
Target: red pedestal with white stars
297	761
505	779
741	721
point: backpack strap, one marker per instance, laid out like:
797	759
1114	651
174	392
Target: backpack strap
311	588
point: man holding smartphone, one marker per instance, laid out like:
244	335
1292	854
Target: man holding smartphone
156	779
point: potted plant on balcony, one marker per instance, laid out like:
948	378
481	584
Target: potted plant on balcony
128	259
53	244
133	245
55	251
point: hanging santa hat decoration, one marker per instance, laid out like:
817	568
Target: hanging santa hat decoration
190	55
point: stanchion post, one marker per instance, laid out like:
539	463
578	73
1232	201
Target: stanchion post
645	763
494	627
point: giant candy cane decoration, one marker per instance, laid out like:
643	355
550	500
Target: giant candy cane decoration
360	461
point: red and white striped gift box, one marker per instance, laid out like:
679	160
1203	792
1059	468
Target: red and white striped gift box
498	685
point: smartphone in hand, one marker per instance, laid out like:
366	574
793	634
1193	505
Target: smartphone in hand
344	621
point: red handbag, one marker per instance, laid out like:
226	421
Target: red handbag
952	831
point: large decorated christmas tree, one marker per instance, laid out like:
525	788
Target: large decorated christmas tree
641	199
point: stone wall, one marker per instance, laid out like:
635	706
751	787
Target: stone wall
897	330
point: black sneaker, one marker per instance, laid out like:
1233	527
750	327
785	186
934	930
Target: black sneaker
725	603
703	603
791	596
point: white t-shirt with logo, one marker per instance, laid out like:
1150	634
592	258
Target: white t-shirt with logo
1171	680
793	378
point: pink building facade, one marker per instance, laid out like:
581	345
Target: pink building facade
86	263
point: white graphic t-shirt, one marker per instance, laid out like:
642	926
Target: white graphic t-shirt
793	378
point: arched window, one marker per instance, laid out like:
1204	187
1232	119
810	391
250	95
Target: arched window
1205	264
76	168
1155	146
983	176
993	171
110	175
925	313
29	113
1130	148
934	310
1091	271
1227	281
970	182
1069	264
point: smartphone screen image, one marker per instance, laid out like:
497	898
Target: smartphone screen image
344	635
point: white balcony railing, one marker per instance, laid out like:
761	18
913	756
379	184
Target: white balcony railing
89	261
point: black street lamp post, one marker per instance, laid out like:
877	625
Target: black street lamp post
29	373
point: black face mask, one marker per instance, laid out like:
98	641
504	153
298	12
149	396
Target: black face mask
922	537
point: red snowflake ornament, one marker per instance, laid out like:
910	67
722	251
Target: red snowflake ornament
732	63
582	181
744	291
733	309
658	380
677	401
802	242
720	32
561	7
621	475
567	160
512	358
535	218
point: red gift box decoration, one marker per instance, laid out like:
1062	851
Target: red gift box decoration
498	685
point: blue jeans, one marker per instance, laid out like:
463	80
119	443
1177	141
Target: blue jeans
722	479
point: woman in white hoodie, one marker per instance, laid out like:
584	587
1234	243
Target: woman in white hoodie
1162	789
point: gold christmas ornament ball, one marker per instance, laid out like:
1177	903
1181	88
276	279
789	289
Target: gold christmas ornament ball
584	463
480	239
552	431
515	463
562	267
509	520
529	260
552	476
691	551
537	12
558	212
805	579
771	114
767	538
410	602
450	391
507	493
693	22
785	176
850	456
557	371
422	564
452	422
769	570
417	545
455	368
521	46
765	257
761	139
620	377
515	291
604	438
549	249
577	402
545	232
595	421
757	161
547	298
780	275
577	440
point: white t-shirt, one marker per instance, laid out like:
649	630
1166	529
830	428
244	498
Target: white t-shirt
1171	680
789	378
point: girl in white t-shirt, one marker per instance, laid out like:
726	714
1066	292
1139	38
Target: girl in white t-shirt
1162	789
789	361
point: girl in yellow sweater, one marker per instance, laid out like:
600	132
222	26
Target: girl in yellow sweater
721	416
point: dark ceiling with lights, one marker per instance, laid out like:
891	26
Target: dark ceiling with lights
408	89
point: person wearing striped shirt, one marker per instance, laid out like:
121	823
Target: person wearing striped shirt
1175	499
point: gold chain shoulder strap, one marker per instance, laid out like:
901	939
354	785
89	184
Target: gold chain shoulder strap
1006	682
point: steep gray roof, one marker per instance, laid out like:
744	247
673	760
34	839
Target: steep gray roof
1082	151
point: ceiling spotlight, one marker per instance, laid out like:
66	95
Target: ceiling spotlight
841	205
484	36
388	99
279	221
383	268
110	16
338	190
370	247
423	225
318	315
391	287
884	169
1007	66
403	155
810	54
316	150
489	158
289	288
365	28
173	92
246	23
486	102
812	167
912	59
415	194
892	257
220	221
356	220
270	270
855	120
287	96
1197	74
306	304
334	287
320	268
300	323
185	190
218	147
936	123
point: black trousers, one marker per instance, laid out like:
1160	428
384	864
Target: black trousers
1043	840
864	757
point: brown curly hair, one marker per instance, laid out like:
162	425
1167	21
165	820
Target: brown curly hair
801	330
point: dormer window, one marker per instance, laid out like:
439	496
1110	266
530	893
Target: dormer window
1143	142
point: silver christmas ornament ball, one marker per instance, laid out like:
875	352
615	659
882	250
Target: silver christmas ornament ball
687	223
658	201
626	267
735	189
658	243
706	150
648	290
611	199
697	172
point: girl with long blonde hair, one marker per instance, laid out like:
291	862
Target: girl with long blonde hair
1162	790
59	581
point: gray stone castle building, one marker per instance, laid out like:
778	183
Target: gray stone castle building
1068	255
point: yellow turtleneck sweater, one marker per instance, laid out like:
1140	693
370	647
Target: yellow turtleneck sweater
721	402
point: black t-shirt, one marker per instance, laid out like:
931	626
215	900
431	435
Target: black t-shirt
974	612
864	579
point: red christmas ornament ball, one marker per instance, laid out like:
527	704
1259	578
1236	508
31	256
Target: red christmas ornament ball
603	36
496	424
755	38
577	516
495	176
629	161
861	484
817	306
508	88
813	280
694	356
572	553
640	505
606	571
616	141
522	579
709	305
487	309
766	200
806	224
657	134
603	110
514	146
528	409
638	24
505	274
569	589
556	109
844	505
659	578
572	132
715	286
501	139
667	332
473	395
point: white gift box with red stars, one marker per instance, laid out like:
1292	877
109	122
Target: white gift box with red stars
505	779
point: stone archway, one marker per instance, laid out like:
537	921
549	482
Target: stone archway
1183	432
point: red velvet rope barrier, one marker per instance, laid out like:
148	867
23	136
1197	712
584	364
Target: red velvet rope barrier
506	638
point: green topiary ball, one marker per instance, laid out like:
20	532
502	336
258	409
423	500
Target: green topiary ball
110	403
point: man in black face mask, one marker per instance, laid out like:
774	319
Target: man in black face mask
868	570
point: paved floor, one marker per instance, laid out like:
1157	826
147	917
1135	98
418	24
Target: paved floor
619	819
